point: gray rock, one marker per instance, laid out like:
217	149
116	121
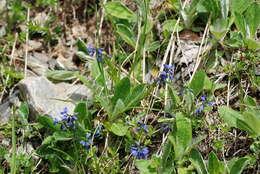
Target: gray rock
34	45
38	63
6	107
5	112
44	97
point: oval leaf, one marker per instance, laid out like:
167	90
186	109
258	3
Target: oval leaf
61	75
119	129
117	9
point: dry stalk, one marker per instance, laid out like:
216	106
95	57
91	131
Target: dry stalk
198	60
27	43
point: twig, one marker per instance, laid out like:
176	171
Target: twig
101	19
13	50
27	43
228	87
143	65
198	60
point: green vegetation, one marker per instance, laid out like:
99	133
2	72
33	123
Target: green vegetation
157	107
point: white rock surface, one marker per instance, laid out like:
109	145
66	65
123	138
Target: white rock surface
44	97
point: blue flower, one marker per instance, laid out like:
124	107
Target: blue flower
67	120
88	142
162	77
99	53
98	130
199	110
203	98
168	73
100	56
168	66
211	103
55	122
165	127
91	50
142	126
139	152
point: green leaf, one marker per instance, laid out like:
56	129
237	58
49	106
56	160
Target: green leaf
82	56
47	122
119	129
61	75
219	28
48	140
153	46
252	17
126	34
241	23
117	9
148	26
230	116
96	74
23	112
118	109
83	115
214	165
238	165
106	104
62	136
183	135
175	100
112	70
199	82
252	44
250	101
212	7
246	121
166	156
224	8
144	166
239	6
169	25
208	84
122	90
84	80
253	121
218	86
82	46
136	95
197	160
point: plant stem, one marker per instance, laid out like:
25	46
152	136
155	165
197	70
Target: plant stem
13	162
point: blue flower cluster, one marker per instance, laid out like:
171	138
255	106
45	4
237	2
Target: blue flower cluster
199	110
88	142
98	131
166	74
139	152
142	126
204	100
99	53
67	120
89	137
165	127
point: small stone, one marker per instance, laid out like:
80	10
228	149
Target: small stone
44	97
5	108
34	45
5	112
37	62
